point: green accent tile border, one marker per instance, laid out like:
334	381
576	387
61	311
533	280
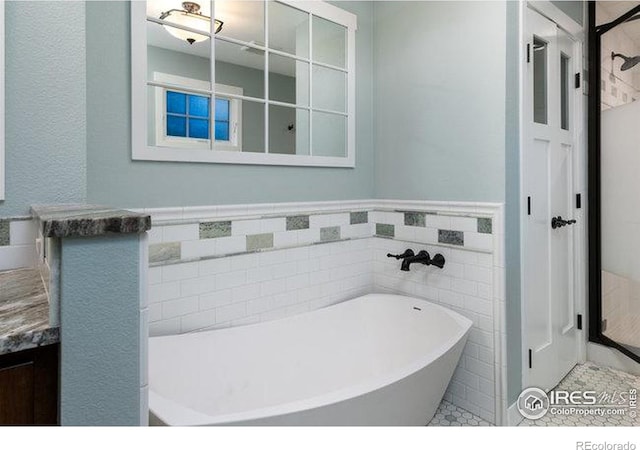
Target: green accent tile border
485	225
415	219
385	229
211	230
164	252
329	234
4	233
297	223
259	241
451	237
356	218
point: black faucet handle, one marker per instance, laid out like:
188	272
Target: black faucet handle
437	260
407	253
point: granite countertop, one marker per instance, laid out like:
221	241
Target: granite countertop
24	312
88	220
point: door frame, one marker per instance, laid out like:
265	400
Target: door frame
595	236
576	32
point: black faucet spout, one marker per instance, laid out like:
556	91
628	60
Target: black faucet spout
422	257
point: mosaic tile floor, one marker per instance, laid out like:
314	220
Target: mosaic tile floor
449	415
590	376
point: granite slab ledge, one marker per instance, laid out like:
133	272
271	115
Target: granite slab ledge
24	312
61	221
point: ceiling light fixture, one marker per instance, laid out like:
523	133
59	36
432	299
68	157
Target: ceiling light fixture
190	17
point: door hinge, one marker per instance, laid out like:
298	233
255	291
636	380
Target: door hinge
577	84
528	53
530	359
603	327
578	201
528	206
579	322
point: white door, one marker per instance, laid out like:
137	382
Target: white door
550	321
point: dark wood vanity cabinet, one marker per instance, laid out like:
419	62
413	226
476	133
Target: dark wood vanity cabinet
29	387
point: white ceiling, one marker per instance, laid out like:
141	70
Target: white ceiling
243	20
608	11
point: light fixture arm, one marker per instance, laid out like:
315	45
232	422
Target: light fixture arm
191	9
166	14
188	8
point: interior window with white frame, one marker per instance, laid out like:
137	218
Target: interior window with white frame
184	116
248	82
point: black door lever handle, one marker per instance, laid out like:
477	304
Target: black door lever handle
559	222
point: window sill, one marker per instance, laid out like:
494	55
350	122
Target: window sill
233	157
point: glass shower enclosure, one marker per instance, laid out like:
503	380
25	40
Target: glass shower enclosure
614	176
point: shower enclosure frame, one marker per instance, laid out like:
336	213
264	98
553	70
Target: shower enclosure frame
595	32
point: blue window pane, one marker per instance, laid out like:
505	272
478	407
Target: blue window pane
199	128
222	109
222	131
198	106
176	102
176	126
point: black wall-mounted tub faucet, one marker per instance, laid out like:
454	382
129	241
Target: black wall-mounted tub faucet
409	257
422	258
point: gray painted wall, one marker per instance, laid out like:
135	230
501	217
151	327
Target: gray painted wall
45	105
114	179
100	331
440	120
573	9
250	80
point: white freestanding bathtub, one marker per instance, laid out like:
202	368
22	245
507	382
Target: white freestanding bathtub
375	360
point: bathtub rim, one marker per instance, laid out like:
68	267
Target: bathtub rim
176	414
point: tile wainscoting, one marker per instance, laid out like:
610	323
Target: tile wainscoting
254	287
216	267
17	243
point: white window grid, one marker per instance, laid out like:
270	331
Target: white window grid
313	9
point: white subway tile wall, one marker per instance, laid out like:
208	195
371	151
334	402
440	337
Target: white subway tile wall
465	285
17	243
221	282
219	293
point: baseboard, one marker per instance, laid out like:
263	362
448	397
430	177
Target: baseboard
513	416
610	357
